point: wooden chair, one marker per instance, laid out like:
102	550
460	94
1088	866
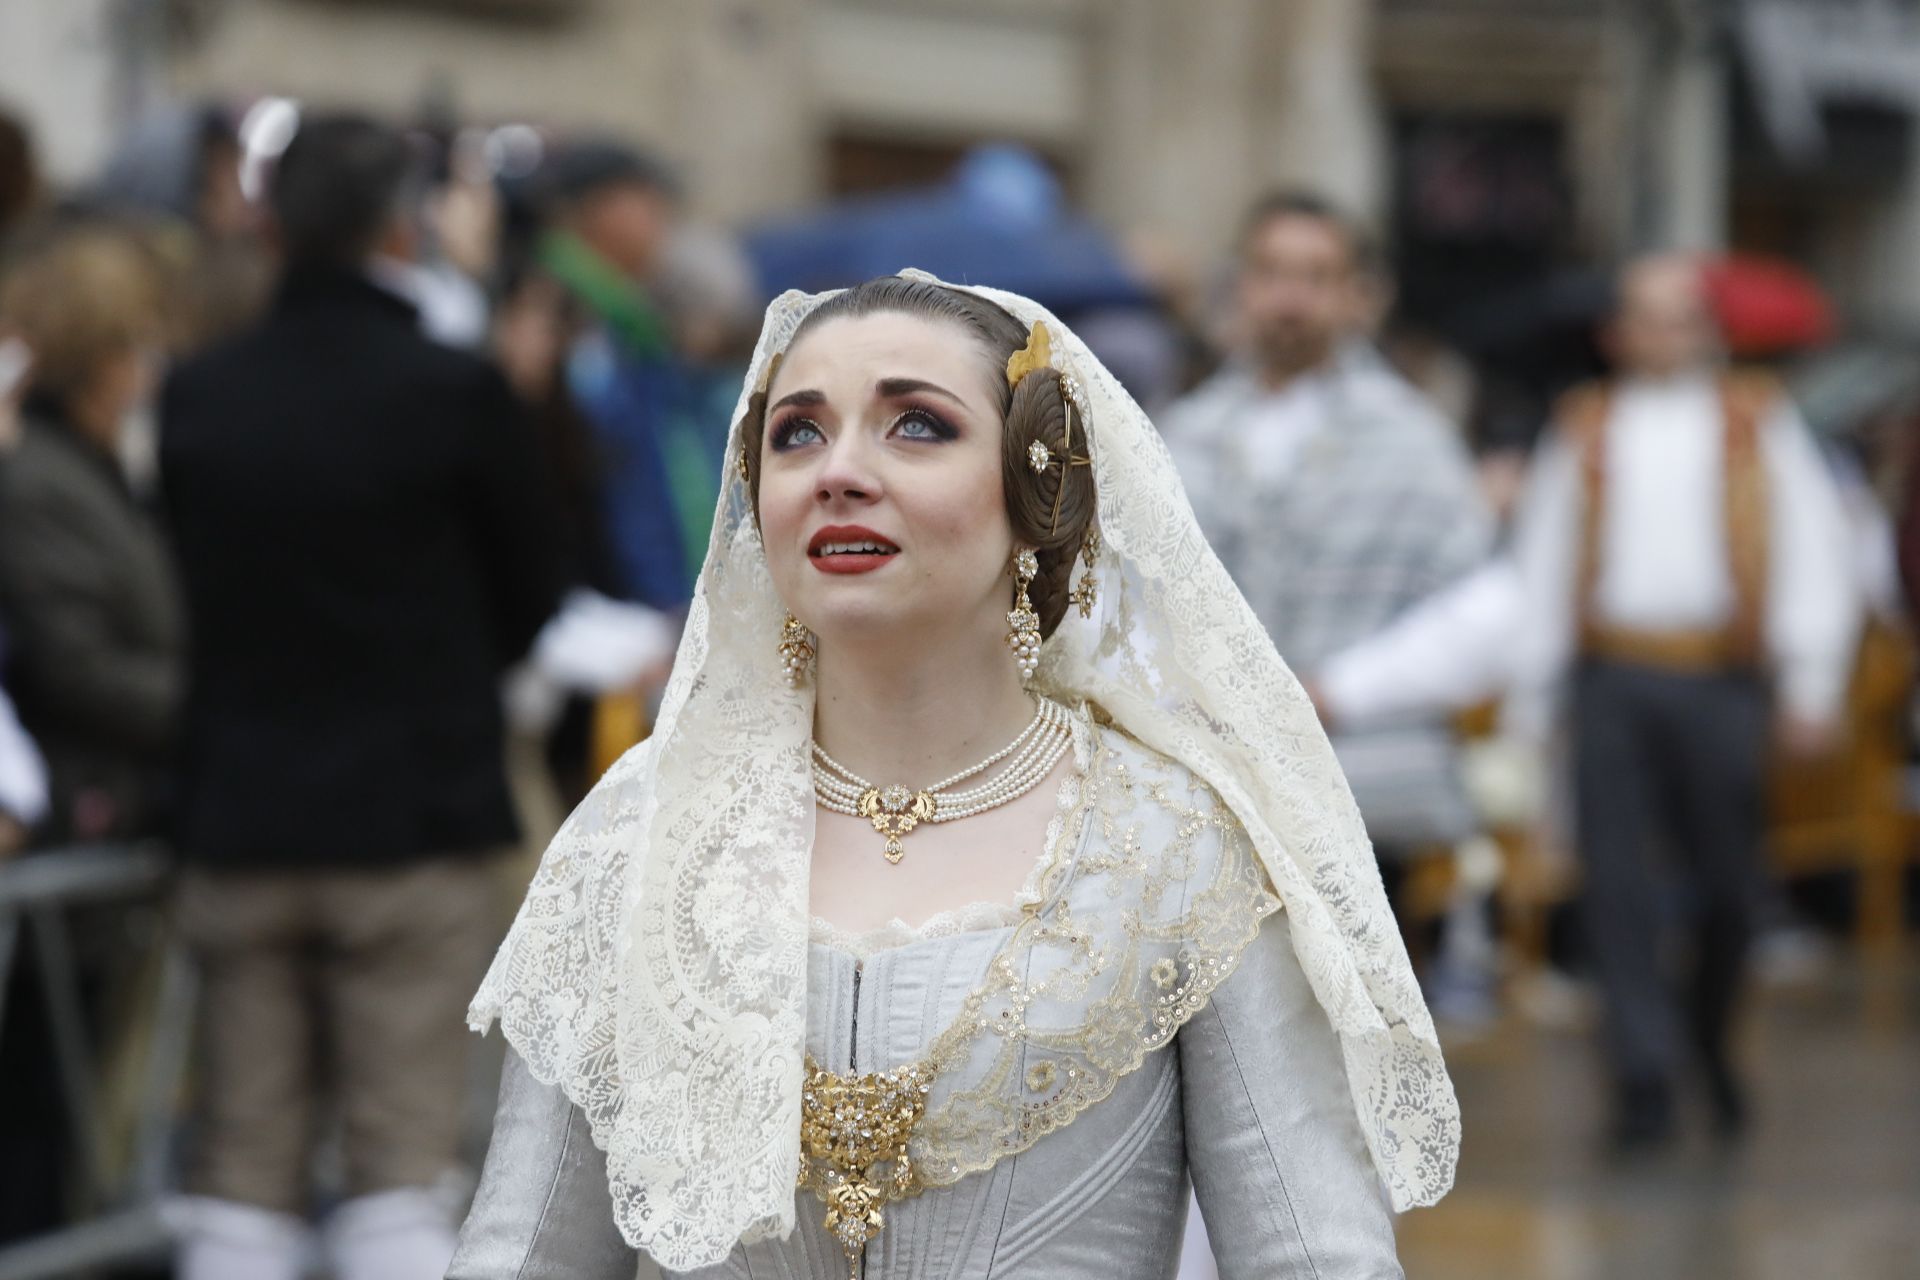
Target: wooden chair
1532	881
1848	812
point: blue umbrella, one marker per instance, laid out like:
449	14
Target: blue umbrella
1000	220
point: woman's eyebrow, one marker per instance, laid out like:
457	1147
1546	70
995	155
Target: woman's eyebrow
893	388
809	397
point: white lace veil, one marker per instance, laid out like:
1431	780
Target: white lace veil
657	970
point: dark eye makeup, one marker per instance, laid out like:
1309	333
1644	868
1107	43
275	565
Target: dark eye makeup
791	431
916	423
922	424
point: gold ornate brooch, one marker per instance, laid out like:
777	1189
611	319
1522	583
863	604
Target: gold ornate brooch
854	1132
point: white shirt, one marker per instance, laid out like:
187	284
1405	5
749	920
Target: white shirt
1663	559
1445	654
1279	426
23	775
453	309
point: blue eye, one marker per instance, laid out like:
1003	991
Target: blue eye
919	424
795	432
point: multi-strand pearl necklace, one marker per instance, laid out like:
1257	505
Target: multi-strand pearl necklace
895	810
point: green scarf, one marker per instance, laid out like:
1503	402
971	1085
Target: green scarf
613	297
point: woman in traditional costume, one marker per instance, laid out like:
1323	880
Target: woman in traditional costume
959	657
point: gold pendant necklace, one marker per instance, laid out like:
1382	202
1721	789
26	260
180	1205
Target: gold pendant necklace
894	813
854	1132
896	810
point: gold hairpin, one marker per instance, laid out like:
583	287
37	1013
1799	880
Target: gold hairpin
1069	397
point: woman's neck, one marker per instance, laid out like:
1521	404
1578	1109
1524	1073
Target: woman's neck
916	720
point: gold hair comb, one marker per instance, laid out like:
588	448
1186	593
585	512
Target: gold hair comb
1037	354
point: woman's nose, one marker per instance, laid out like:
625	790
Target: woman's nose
847	471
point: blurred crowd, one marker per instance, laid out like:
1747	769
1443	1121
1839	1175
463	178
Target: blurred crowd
354	479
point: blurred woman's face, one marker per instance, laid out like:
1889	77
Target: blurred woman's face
120	383
881	504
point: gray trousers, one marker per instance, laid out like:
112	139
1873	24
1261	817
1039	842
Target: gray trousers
348	987
1670	812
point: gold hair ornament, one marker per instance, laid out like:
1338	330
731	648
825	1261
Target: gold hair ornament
796	651
1037	354
1086	591
1023	624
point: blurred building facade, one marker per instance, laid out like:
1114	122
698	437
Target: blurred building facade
1502	135
1164	115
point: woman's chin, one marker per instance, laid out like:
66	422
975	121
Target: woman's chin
853	620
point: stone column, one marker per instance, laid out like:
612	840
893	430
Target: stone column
1690	136
58	73
740	116
1889	275
1318	114
1170	140
1200	106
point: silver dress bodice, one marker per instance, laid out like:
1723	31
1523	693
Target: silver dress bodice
1249	1100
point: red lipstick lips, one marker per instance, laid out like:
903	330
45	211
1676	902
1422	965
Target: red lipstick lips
848	548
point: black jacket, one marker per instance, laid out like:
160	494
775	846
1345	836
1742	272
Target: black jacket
360	525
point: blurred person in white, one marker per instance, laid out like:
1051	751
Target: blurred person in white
23	779
448	265
1335	494
1152	947
23	773
361	528
1689	595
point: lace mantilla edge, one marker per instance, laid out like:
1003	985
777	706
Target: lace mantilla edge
566	988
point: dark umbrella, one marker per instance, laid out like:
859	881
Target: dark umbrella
1000	220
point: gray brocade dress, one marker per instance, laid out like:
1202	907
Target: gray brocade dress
1248	1099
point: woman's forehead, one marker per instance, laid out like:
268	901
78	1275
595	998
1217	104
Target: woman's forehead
847	355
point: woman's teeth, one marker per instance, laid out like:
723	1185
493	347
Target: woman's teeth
856	548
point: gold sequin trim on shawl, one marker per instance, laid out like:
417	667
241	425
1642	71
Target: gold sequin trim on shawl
1150	894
